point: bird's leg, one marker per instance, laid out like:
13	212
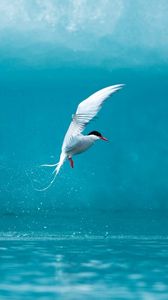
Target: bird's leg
71	162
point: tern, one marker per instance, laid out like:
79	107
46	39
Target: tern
74	141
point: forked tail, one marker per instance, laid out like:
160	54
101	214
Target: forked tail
55	172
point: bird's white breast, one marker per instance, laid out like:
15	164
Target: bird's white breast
79	144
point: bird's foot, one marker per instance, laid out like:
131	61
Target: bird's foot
71	162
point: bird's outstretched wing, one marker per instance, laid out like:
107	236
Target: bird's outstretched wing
86	111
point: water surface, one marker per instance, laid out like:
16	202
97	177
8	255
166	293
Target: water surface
84	268
82	254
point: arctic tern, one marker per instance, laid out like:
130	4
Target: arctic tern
74	141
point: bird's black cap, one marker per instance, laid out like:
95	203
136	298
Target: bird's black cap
95	133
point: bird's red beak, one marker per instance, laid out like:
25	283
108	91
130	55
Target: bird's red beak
103	138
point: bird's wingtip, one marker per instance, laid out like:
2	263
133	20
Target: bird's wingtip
117	87
120	85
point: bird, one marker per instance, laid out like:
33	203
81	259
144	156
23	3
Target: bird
75	142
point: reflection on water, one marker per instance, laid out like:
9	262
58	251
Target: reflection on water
84	268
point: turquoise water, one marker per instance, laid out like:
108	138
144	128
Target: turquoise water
84	268
84	255
100	232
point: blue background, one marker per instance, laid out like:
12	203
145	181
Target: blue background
54	54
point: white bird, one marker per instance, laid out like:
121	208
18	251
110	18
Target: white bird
74	141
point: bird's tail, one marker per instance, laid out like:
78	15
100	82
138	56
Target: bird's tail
60	163
55	172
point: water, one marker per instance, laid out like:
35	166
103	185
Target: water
84	268
82	254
